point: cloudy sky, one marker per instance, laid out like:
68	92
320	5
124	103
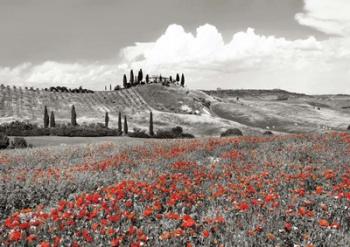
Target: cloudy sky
297	45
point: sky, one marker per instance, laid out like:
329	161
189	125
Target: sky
296	45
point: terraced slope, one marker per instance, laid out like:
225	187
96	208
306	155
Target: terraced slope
25	104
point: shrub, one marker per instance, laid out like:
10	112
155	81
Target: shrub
165	134
267	133
348	127
19	142
232	132
177	130
187	135
4	141
138	133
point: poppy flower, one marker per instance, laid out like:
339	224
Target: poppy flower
187	221
323	223
288	226
15	235
148	212
205	233
44	244
243	207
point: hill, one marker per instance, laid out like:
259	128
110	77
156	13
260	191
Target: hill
202	113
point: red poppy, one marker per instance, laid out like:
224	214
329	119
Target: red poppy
243	207
206	233
44	244
148	212
323	223
15	235
288	226
187	221
31	238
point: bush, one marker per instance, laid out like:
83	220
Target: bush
4	141
19	142
138	133
176	132
165	134
267	133
187	135
349	127
232	132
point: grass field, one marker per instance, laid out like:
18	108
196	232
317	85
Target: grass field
44	141
291	190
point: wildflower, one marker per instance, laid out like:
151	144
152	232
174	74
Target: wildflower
288	226
148	212
15	235
323	223
205	233
44	244
187	221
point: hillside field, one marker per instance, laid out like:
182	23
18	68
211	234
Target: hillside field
286	190
202	113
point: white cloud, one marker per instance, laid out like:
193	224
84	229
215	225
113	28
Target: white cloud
328	16
248	60
95	75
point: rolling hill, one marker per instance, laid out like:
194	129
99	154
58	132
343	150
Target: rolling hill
202	113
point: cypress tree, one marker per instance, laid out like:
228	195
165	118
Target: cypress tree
140	76
160	78
52	120
125	126
105	88
132	77
110	87
125	81
147	78
151	132
171	79
120	123
177	77
46	118
73	116
106	120
182	80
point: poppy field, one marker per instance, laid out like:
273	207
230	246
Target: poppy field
291	190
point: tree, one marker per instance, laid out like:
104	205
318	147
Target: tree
46	118
125	81
160	78
140	76
171	79
177	77
120	123
151	132
73	116
132	77
52	120
105	88
147	78
110	87
106	120
125	126
182	80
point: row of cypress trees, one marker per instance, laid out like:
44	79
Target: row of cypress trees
50	121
